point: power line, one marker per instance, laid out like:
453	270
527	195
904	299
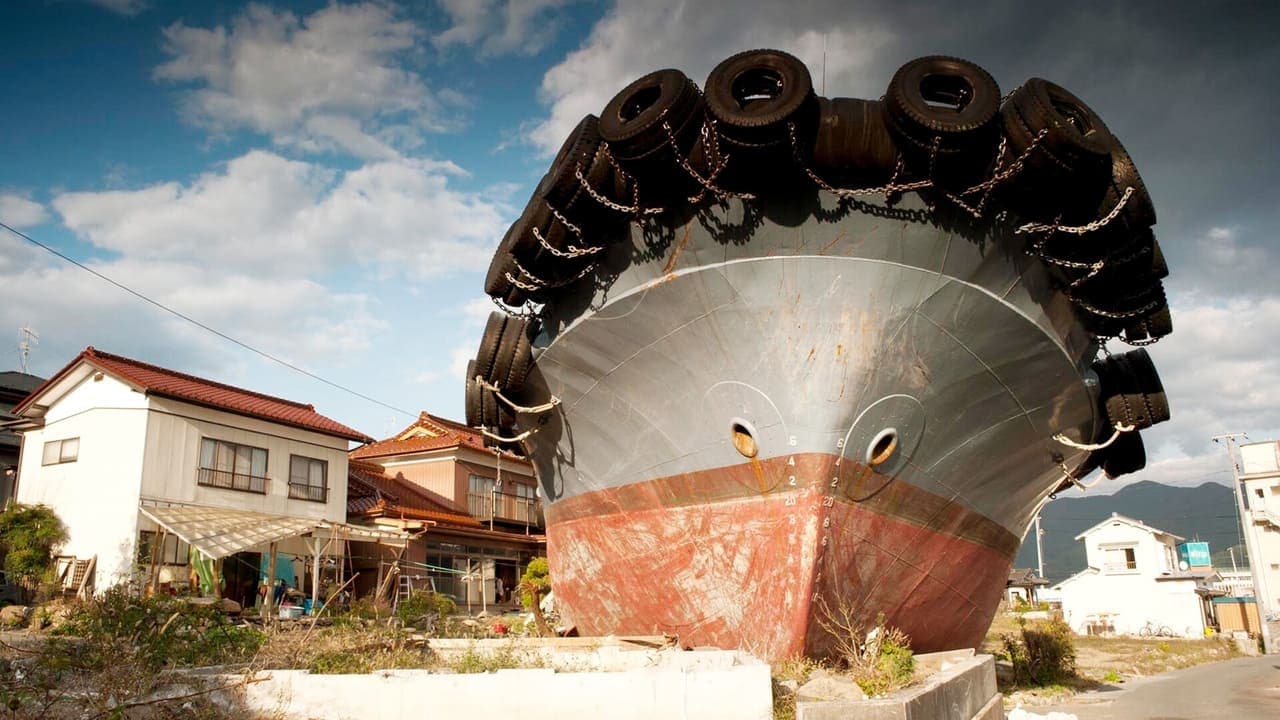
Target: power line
201	325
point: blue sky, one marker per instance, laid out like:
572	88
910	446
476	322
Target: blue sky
326	181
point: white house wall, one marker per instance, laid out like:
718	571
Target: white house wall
96	496
172	460
1131	598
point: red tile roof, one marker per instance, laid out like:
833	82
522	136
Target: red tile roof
428	432
372	493
162	382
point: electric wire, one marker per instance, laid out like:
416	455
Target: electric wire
203	326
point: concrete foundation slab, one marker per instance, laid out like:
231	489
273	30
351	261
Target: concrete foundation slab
962	688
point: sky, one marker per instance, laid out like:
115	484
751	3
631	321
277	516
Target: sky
326	182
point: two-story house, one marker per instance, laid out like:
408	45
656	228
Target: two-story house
143	463
1133	584
482	512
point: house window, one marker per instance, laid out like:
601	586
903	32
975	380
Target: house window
232	466
480	496
61	451
174	551
307	479
1119	559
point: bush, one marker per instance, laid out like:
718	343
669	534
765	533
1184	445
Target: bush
29	534
1041	655
424	604
158	632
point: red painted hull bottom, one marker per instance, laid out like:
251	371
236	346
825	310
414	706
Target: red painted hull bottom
733	559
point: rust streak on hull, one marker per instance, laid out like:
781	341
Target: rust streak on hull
720	563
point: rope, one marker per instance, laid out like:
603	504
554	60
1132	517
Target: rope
502	439
1099	446
535	409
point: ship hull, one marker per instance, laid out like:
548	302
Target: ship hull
816	334
777	570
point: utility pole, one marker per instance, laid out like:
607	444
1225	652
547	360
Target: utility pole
1039	548
1260	594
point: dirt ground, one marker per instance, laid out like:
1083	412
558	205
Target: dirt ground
1103	661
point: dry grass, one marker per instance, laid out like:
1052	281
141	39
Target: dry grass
1109	660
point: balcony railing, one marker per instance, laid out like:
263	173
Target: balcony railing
506	507
303	491
209	477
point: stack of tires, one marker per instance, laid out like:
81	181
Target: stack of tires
496	377
1039	160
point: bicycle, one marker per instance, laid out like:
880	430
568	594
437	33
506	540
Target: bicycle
1153	630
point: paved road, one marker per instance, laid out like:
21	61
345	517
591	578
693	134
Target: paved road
1241	689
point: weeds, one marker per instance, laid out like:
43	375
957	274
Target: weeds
880	660
1041	655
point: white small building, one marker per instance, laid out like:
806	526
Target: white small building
1133	585
143	463
1260	484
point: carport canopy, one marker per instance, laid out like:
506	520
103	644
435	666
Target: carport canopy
218	532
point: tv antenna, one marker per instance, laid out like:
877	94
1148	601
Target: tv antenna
27	338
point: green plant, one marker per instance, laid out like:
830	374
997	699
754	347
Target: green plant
29	535
157	632
1112	677
422	604
535	583
1041	655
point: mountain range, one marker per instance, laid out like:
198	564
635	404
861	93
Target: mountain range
1205	513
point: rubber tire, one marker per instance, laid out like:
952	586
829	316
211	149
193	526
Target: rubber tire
1068	174
1132	391
506	352
559	186
853	145
915	123
521	362
761	122
1139	213
488	351
631	122
488	408
1077	137
471	397
1126	455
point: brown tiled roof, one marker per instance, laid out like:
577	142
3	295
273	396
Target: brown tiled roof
372	493
162	382
426	433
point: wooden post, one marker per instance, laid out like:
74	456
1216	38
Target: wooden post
315	572
271	583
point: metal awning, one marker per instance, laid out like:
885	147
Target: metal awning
219	532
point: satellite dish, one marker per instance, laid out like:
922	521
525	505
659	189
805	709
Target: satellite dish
1183	566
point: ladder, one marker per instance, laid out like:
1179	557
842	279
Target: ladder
404	590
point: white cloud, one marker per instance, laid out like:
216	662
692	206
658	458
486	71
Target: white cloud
263	215
500	27
635	38
21	212
289	316
333	80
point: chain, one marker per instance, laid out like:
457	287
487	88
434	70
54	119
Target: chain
706	183
1112	314
571	252
890	187
565	221
1080	229
616	207
627	178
